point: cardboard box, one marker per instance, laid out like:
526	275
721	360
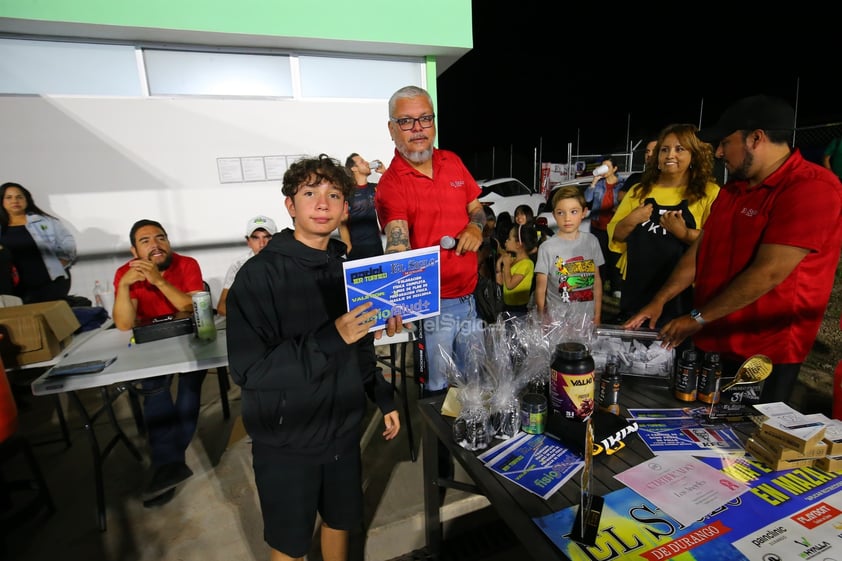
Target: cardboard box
762	454
794	438
38	331
795	430
781	451
830	463
833	437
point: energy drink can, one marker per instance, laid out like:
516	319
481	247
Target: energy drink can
203	316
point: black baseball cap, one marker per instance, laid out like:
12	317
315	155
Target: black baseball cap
751	113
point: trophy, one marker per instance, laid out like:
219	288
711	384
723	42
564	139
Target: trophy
586	524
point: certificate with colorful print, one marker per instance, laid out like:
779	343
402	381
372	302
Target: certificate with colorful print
407	284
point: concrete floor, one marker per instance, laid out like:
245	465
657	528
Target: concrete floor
215	514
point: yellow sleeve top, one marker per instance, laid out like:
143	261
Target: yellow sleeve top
665	196
519	295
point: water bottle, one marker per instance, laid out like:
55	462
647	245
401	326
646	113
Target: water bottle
98	290
374	164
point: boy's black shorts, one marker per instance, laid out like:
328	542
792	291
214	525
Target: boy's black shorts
291	492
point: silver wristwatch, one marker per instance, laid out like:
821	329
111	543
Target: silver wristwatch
697	315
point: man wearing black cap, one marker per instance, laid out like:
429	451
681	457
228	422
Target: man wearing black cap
765	263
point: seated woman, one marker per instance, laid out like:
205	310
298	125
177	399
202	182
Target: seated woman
42	248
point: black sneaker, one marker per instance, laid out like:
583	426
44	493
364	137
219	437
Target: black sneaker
165	478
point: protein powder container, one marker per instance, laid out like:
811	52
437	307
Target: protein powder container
687	375
533	413
609	389
708	379
572	381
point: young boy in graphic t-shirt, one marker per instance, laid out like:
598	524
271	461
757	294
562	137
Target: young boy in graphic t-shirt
567	268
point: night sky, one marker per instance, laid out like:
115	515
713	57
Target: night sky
537	80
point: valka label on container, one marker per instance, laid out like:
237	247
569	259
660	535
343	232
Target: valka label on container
572	395
572	381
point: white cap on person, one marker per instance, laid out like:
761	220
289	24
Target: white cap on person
261	222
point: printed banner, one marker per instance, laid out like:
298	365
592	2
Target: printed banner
792	514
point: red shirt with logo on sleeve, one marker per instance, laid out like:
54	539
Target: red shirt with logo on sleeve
433	207
799	204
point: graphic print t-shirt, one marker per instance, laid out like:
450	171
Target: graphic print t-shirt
570	266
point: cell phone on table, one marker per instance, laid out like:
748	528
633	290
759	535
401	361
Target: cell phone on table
87	367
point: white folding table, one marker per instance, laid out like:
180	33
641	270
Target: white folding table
184	353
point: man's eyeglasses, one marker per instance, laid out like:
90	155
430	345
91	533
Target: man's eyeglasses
408	123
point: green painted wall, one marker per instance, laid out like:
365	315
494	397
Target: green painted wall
441	22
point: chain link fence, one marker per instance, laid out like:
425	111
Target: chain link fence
524	163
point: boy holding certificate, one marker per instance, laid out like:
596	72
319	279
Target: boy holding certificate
305	366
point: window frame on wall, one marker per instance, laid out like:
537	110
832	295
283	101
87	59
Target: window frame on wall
68	68
121	69
219	74
331	76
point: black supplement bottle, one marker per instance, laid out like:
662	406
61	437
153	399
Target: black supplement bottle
572	381
687	375
710	376
609	389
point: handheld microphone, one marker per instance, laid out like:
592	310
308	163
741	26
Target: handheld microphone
447	242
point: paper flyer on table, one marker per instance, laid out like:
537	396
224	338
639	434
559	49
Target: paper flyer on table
407	283
687	435
682	486
790	514
537	462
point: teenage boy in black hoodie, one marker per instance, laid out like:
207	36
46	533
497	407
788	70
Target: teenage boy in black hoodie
305	366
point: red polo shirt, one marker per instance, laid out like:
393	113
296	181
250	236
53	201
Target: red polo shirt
433	208
183	273
800	205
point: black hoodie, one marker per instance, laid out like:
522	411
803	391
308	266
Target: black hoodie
303	387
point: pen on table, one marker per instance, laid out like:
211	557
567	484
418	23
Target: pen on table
803	426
